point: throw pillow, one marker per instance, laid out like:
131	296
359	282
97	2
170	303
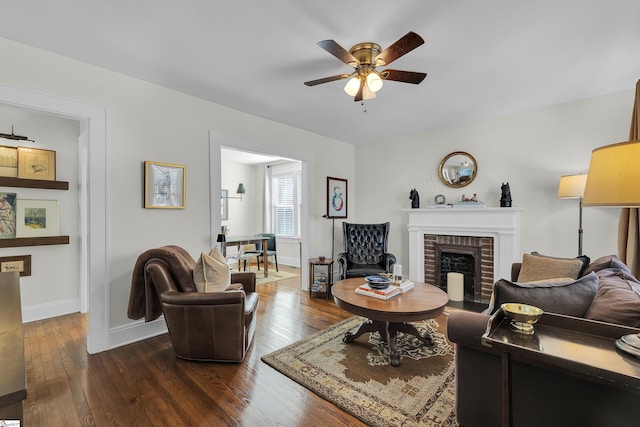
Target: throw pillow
618	298
563	296
211	273
585	261
607	261
541	268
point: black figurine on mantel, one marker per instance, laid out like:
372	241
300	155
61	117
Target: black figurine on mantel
505	200
415	199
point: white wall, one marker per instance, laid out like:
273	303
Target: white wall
54	279
147	122
530	150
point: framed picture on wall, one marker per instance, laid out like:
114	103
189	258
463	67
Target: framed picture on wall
224	206
8	161
165	185
8	215
336	197
34	163
36	218
20	263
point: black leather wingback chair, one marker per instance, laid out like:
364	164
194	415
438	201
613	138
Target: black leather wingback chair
365	250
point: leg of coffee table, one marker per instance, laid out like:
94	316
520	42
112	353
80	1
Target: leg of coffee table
394	355
366	326
408	328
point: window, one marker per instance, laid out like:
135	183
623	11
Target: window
286	199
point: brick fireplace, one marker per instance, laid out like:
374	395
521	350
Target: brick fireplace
481	243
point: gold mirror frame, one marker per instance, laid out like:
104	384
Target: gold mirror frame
458	169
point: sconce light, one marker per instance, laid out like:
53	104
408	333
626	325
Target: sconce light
240	191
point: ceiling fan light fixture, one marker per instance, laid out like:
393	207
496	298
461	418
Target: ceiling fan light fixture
352	86
374	82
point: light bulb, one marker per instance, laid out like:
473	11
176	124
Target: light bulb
374	81
352	86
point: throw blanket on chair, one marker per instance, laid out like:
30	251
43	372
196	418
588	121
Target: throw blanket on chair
144	299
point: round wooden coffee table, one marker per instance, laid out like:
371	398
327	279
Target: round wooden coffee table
391	316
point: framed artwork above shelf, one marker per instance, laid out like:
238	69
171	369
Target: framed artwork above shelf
34	241
6	181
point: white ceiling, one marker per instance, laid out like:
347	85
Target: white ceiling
483	58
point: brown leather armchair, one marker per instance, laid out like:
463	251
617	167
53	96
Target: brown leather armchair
216	326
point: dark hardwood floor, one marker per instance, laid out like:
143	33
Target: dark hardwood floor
145	384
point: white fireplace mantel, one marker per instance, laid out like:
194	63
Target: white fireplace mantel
503	224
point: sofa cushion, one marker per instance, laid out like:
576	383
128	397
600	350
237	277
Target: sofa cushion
618	298
211	272
583	258
607	261
563	296
536	267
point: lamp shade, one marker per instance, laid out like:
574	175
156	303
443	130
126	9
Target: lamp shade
353	86
614	174
572	186
221	238
240	189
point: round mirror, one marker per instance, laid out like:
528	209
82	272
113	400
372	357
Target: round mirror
458	169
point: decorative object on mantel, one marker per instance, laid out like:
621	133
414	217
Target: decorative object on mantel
8	215
505	199
470	202
440	199
572	187
15	137
415	198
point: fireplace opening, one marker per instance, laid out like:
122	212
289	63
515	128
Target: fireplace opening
459	259
459	263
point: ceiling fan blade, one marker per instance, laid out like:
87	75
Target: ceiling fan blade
403	76
339	52
326	79
405	44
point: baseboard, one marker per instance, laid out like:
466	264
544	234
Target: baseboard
48	310
136	331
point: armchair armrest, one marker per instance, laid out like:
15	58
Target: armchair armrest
389	261
201	298
343	263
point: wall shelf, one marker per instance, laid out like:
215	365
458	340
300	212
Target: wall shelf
34	241
6	181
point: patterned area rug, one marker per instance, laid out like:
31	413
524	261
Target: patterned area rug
274	275
358	377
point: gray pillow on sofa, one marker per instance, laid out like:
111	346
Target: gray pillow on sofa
562	296
618	298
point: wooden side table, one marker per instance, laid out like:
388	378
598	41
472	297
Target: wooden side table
320	277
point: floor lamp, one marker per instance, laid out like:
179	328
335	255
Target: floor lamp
572	187
333	231
613	181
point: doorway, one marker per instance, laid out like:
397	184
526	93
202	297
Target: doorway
219	142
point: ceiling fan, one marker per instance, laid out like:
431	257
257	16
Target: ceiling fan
365	81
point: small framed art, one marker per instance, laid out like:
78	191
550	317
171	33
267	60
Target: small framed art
165	185
336	197
8	161
20	263
36	218
34	163
8	215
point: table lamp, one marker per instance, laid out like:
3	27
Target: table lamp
613	181
572	187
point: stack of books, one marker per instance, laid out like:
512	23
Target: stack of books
404	286
384	294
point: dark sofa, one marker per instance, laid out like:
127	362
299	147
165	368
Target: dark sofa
605	291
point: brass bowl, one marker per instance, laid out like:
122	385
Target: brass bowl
522	316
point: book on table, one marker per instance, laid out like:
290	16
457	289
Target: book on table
383	294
